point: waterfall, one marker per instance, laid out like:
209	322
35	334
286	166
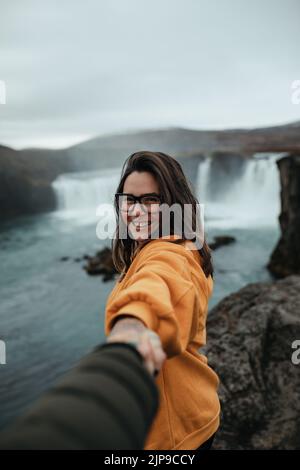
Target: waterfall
203	179
251	198
249	195
80	193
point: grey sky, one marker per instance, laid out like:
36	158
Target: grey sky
75	69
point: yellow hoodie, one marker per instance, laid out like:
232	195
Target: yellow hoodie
166	288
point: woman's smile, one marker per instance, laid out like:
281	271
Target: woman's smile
140	223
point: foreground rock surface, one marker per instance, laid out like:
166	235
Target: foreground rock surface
250	336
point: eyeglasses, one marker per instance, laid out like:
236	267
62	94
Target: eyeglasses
149	202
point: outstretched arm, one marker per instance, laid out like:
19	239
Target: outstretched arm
132	330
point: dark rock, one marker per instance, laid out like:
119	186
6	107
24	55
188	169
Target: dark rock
101	263
250	336
221	240
285	259
64	258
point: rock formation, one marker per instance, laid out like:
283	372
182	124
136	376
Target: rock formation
285	259
221	240
101	263
25	180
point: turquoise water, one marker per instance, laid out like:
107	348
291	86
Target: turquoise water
52	313
244	261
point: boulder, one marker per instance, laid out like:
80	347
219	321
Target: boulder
221	240
101	263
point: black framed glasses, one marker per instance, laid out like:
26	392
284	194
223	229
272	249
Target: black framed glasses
149	202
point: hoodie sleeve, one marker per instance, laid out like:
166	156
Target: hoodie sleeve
162	294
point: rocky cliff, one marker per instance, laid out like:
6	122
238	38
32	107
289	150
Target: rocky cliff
25	180
285	259
250	338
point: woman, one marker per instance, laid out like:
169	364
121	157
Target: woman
162	296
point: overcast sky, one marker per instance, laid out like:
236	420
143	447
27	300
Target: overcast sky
75	69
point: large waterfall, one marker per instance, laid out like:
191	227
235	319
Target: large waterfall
240	194
250	196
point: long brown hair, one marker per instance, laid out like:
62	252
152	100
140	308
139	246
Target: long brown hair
174	188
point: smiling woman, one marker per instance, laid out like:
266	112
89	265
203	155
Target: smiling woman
164	289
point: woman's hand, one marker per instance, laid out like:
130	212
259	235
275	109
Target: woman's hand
147	342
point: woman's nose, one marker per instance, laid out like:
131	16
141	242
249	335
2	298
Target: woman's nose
135	211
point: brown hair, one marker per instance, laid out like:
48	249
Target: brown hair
174	188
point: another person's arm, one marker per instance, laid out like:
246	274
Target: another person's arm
107	402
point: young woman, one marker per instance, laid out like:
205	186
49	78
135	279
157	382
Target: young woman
162	295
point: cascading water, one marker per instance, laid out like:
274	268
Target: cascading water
78	195
251	198
203	179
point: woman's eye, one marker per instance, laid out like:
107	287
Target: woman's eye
150	200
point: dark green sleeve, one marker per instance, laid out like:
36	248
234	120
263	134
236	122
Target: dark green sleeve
107	402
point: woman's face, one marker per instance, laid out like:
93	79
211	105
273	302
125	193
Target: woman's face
140	223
